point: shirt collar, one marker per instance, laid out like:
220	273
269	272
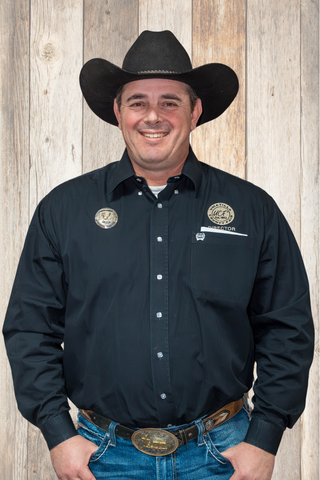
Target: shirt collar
124	170
193	170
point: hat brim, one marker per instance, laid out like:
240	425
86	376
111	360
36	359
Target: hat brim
215	84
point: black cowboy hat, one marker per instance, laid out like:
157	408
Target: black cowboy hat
157	55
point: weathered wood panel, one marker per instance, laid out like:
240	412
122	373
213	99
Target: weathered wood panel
219	36
110	28
310	218
56	39
273	102
273	136
176	16
14	186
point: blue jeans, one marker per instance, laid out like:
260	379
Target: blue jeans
200	459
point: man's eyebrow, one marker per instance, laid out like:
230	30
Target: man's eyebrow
171	96
166	96
136	96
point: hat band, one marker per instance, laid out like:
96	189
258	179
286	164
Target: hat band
156	71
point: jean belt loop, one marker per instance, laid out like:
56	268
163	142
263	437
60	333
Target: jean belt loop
201	431
246	403
112	434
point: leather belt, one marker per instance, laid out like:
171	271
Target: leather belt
160	442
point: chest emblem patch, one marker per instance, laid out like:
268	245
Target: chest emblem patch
106	218
221	213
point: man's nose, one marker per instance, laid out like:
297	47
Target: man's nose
153	114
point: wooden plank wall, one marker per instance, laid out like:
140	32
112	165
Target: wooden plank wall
282	157
270	136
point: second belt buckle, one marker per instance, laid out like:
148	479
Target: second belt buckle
154	441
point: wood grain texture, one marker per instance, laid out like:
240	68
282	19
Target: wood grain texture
56	38
157	15
273	136
273	102
310	218
14	188
219	35
110	28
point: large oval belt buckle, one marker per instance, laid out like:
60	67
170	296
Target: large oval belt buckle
154	441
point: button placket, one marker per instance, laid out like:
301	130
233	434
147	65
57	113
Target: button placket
159	313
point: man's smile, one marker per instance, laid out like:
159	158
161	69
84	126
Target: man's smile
154	135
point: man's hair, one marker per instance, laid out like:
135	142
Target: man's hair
193	97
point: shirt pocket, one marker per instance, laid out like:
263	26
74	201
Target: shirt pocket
222	268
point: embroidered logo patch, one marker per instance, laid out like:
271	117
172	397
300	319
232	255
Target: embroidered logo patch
106	218
221	213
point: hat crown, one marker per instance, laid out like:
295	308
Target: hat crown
157	52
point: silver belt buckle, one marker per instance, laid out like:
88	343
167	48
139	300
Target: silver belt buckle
154	441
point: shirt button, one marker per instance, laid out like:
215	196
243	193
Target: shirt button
159	277
177	178
160	355
169	425
139	193
163	396
159	315
159	205
176	192
159	239
138	179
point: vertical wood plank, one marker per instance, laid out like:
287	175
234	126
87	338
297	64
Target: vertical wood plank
56	101
157	15
310	218
219	33
56	39
273	106
273	135
14	179
110	28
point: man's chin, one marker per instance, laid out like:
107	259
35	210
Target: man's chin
151	158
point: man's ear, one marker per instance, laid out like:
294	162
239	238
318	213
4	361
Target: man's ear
117	112
196	114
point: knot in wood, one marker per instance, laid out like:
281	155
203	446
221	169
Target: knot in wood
49	52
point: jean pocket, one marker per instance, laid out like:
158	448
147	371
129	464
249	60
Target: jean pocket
228	435
212	449
101	441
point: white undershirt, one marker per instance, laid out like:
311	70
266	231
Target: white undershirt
157	189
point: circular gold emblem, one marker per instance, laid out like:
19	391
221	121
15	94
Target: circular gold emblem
221	213
106	218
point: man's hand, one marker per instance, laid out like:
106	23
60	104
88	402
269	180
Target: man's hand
250	462
70	459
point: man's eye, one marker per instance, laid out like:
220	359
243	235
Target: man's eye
136	105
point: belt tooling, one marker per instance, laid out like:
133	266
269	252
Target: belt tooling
159	442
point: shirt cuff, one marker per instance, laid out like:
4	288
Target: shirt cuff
58	429
264	435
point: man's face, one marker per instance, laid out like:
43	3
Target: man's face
156	119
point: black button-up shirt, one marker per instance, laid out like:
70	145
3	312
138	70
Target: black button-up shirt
163	314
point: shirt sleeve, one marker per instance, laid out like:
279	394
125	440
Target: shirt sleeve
281	320
34	332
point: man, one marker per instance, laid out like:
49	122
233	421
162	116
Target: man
165	279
